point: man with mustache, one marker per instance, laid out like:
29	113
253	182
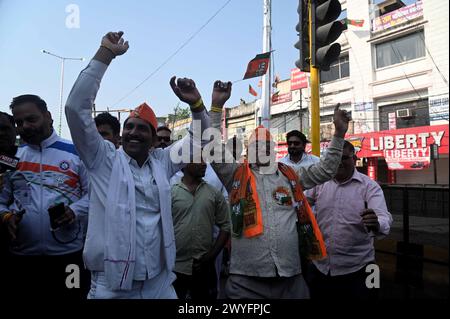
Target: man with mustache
49	172
130	243
267	201
163	137
351	211
297	157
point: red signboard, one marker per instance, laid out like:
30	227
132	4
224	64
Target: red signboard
281	98
281	149
403	149
298	79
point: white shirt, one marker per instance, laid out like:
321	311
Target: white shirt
305	161
148	225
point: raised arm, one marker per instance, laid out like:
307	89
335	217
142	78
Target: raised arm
326	169
226	167
180	153
90	145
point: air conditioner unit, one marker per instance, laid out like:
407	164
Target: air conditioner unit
404	113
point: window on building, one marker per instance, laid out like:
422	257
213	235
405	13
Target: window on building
338	70
400	50
408	114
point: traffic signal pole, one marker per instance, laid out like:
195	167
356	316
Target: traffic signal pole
314	79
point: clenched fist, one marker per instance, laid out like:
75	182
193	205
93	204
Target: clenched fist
114	42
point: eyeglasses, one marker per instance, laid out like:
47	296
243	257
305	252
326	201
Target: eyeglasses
295	143
164	138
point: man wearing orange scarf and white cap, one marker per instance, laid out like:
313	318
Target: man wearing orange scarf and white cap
130	243
272	224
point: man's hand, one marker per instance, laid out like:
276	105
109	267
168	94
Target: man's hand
66	219
370	220
114	42
185	90
340	120
198	264
221	93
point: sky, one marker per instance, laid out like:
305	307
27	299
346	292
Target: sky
155	30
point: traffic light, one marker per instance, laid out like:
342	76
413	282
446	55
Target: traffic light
325	30
303	63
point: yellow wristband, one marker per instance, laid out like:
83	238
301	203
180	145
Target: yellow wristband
196	104
216	109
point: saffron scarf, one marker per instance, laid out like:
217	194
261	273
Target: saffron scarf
246	214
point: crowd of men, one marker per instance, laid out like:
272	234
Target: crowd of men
139	224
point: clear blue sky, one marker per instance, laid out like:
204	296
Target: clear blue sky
155	29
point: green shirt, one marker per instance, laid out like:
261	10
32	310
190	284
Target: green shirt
194	216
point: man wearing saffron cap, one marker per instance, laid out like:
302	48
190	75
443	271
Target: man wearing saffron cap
272	223
130	243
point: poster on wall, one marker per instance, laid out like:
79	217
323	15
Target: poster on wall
392	118
438	107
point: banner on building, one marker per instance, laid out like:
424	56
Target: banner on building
398	16
299	80
278	98
403	149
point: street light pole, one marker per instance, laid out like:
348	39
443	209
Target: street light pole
61	85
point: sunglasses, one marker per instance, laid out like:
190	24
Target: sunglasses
164	138
295	143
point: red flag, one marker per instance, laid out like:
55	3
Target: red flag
258	66
252	91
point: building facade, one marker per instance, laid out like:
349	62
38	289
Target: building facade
392	76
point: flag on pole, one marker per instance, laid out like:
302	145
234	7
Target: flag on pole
252	91
258	66
355	23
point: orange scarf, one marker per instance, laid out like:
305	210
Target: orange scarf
246	214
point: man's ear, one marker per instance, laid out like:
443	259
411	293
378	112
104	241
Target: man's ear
48	117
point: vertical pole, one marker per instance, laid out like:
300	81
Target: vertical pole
301	111
435	171
61	96
267	47
315	109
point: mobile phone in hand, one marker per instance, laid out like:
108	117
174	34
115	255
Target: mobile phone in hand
56	212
